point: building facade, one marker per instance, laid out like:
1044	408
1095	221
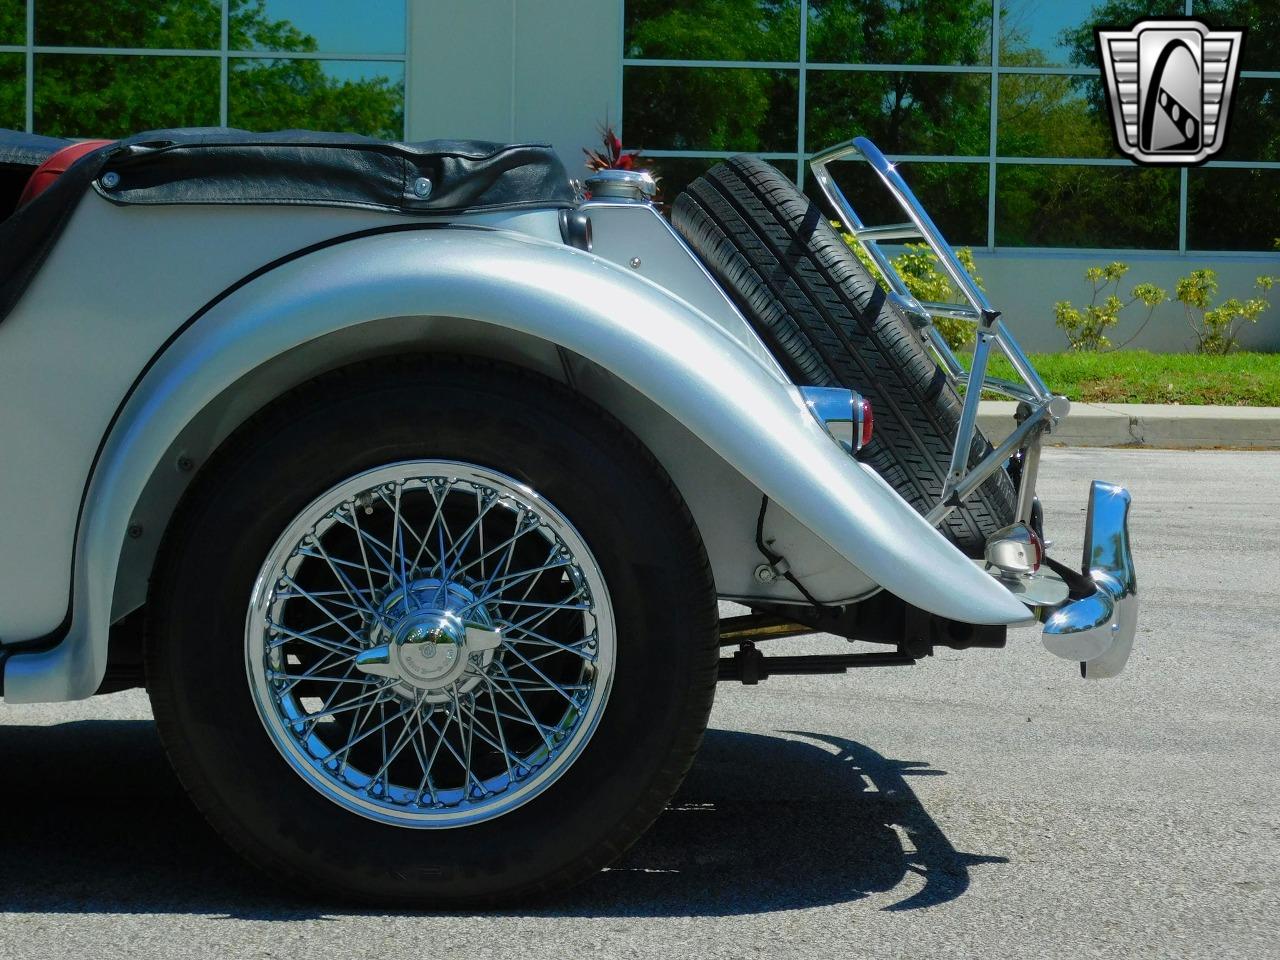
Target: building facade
994	107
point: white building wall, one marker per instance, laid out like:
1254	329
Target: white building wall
515	70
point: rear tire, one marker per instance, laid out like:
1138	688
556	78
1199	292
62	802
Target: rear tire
626	534
829	324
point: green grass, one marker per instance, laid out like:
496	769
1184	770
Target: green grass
1136	376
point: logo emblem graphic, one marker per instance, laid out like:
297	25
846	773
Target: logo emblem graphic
1169	86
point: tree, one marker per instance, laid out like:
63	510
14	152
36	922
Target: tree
1228	209
711	108
745	109
114	96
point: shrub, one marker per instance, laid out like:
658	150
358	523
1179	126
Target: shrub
1087	329
1217	328
920	271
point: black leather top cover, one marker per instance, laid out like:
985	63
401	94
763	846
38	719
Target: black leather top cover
27	149
332	169
292	167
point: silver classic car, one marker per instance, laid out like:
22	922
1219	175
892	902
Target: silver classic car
406	478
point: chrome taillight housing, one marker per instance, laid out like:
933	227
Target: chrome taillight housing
845	414
1015	551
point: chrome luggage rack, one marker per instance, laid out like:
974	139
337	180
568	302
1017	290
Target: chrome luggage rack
1038	409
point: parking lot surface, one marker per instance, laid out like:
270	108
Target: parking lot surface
985	803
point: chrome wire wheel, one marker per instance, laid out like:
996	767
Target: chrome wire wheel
430	644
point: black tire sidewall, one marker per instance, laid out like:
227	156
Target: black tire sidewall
616	497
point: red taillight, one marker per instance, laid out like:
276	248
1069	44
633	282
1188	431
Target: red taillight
868	424
1038	545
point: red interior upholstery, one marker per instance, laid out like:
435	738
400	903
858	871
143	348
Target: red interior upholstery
44	175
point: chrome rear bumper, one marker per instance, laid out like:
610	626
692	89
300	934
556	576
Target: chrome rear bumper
1097	629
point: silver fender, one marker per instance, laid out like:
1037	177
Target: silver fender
739	405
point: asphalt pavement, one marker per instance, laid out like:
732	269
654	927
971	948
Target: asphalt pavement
987	803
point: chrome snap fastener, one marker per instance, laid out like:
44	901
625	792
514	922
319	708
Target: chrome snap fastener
422	188
110	180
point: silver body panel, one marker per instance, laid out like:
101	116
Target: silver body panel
675	361
118	283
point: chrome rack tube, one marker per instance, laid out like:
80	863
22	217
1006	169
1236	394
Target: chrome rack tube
955	369
855	226
1044	409
1020	362
1025	435
969	412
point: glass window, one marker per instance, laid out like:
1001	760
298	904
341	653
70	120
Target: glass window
348	96
329	26
713	29
705	108
13	22
1052	205
1059	33
1262	41
1232	209
172	24
13	90
1253	124
955	194
1051	115
946	32
916	113
676	173
79	95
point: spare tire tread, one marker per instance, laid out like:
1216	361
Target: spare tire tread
830	324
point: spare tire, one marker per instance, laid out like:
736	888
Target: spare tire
829	323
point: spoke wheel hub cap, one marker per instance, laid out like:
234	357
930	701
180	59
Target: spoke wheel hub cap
437	637
430	649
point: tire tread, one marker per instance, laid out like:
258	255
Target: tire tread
829	324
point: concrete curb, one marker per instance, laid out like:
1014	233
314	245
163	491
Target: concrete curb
1148	425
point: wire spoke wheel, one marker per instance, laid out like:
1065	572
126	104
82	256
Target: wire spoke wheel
384	671
430	644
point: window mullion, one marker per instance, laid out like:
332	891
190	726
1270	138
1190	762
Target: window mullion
995	121
223	65
801	85
31	67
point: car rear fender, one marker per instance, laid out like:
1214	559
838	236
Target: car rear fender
738	404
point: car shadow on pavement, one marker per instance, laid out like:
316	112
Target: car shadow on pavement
94	821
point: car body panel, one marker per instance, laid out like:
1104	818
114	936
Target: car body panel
736	402
114	288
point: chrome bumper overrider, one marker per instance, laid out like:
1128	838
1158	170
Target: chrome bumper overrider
1098	629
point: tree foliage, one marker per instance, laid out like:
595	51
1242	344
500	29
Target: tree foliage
1225	209
82	95
754	109
710	109
1041	115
